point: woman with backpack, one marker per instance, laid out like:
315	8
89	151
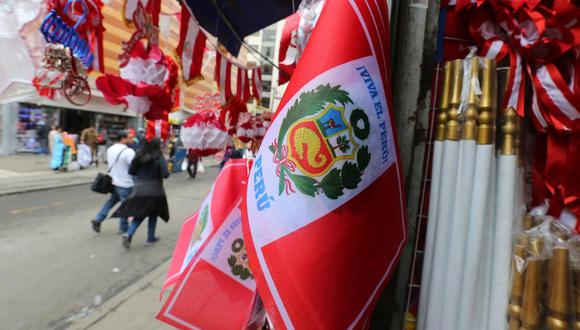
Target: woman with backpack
148	199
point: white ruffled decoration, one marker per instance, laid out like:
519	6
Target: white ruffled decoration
203	136
139	104
146	71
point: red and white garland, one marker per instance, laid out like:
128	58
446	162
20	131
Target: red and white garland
204	134
191	47
145	84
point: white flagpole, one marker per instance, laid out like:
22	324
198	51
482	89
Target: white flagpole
504	219
479	215
434	198
462	203
446	198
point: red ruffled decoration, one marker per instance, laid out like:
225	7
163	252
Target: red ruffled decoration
230	113
144	86
204	134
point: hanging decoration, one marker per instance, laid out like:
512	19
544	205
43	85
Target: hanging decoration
288	55
145	84
204	134
230	113
207	101
190	48
56	30
260	130
157	129
257	84
223	76
153	7
145	30
246	127
243	85
91	28
62	74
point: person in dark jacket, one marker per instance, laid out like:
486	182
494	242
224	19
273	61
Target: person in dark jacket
148	198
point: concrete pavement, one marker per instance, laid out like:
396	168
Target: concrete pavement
133	308
57	273
28	172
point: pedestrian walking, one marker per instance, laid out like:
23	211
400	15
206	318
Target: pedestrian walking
148	199
52	136
89	137
119	158
42	132
57	150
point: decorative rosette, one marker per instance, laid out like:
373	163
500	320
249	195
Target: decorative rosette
246	128
266	118
260	131
230	113
204	134
145	84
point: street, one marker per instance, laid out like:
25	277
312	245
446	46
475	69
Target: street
55	269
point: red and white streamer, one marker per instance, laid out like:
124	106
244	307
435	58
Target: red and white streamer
223	76
191	47
257	83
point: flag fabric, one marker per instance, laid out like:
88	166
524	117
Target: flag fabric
213	286
242	85
217	289
257	83
288	55
157	128
191	47
223	76
153	7
323	215
216	206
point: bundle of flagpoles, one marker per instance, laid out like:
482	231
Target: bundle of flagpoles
473	204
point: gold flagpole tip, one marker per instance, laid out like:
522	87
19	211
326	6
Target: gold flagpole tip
452	129
444	104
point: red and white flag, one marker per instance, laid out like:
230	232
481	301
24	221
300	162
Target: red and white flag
153	7
288	56
242	85
191	47
216	206
214	287
223	76
157	128
324	218
257	83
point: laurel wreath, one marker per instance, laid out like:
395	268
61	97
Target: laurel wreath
238	270
350	175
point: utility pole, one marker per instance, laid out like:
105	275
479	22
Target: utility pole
414	57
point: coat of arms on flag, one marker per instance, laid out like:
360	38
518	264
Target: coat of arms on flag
323	215
314	144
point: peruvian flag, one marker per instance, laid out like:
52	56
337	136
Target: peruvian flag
223	76
196	230
214	288
324	218
242	85
157	128
257	83
288	56
191	47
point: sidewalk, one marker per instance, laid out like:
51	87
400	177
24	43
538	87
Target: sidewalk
133	308
27	172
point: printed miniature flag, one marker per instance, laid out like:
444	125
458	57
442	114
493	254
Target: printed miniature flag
288	55
324	217
214	288
217	289
217	205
